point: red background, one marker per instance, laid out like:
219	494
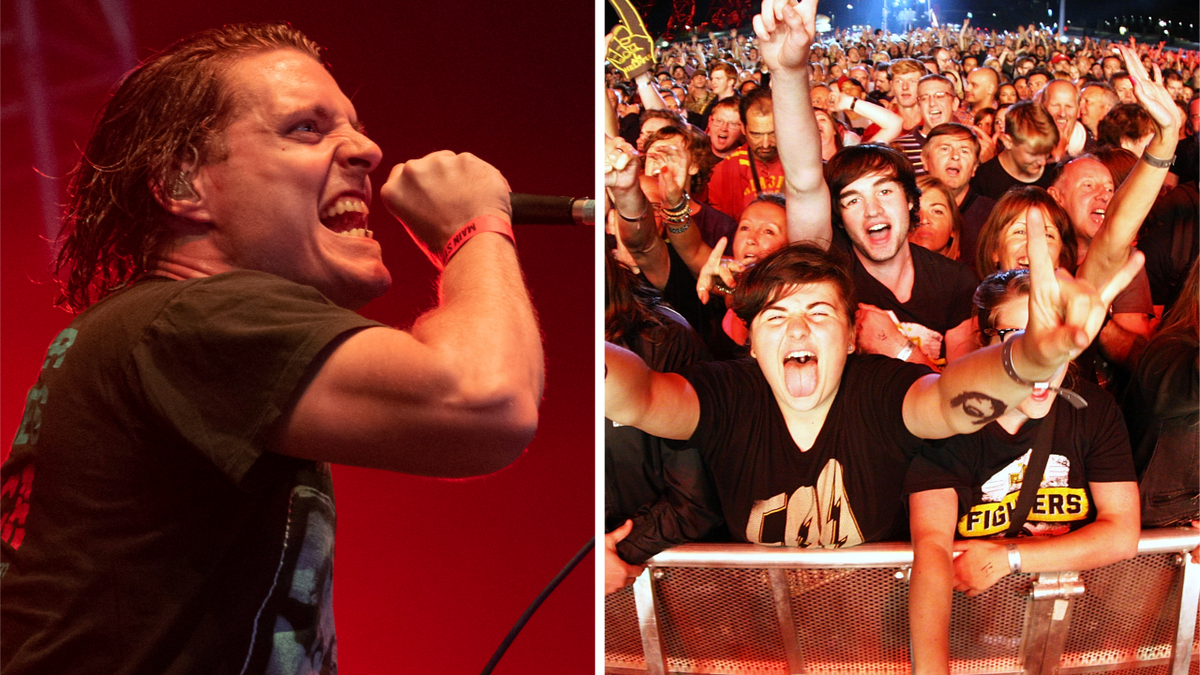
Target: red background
430	575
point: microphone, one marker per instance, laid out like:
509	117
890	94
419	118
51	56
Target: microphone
540	210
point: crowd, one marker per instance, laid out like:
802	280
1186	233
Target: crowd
862	285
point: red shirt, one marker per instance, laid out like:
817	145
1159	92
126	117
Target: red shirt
731	187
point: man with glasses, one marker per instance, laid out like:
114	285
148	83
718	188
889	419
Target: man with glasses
937	102
725	128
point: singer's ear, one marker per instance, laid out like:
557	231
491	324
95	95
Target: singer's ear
181	193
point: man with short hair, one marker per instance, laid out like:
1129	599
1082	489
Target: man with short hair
1084	188
982	85
936	97
1096	99
168	501
1123	85
944	59
951	154
725	128
881	84
1037	79
1029	138
1111	66
754	169
723	80
1174	83
699	99
1061	100
905	74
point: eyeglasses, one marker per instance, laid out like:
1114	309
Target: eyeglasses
1002	332
724	124
939	97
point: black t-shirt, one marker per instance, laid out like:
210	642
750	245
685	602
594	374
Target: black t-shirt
975	211
146	527
940	299
680	293
843	491
986	468
991	180
668	493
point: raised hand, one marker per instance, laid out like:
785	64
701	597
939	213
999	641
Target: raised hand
1065	313
672	166
1151	92
437	194
717	272
786	32
620	164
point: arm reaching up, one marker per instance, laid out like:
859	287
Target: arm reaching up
786	32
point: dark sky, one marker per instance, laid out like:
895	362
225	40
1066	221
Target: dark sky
1010	13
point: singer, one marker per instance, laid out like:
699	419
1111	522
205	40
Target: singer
167	505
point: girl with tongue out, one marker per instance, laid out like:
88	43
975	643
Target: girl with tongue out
806	440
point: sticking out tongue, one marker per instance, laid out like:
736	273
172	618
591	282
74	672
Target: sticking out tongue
800	375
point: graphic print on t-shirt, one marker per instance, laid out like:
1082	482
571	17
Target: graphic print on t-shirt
813	516
295	629
1056	506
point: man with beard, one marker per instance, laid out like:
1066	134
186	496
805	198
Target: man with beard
725	128
753	170
951	154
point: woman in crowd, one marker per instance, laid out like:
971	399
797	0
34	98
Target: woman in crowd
1002	240
966	494
940	227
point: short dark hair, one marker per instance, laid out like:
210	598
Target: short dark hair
993	291
853	162
169	112
796	264
758	100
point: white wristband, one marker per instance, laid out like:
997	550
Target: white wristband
1014	559
906	352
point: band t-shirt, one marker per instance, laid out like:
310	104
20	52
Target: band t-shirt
843	491
986	469
146	528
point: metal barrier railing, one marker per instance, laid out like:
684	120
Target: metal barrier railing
742	609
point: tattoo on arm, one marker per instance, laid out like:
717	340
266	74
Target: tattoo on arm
982	407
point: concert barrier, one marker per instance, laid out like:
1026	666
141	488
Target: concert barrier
746	609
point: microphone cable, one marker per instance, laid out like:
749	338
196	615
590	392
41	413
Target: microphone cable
512	634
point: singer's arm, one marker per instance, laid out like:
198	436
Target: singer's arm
457	396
